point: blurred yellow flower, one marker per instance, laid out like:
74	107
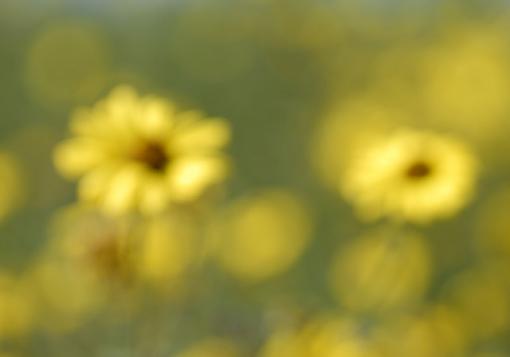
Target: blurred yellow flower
322	337
467	81
481	298
262	235
120	254
10	184
87	266
283	343
65	295
410	175
435	332
17	312
95	244
381	272
139	154
212	347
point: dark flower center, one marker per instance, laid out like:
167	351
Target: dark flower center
153	155
419	170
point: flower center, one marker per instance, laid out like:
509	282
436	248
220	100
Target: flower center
153	155
106	258
419	170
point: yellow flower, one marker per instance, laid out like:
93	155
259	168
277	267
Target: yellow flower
90	263
122	253
94	244
140	154
10	185
381	272
262	235
322	337
437	331
410	175
283	344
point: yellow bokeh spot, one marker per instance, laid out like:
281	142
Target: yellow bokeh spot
482	300
435	332
262	235
381	272
350	127
166	250
322	337
68	63
467	81
17	307
65	296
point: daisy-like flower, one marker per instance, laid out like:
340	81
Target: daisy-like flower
140	154
411	175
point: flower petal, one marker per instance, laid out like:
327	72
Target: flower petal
77	156
122	191
190	176
93	185
156	118
201	135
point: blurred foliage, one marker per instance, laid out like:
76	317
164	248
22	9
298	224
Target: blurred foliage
365	211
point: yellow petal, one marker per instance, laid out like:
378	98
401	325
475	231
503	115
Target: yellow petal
121	102
121	193
202	135
156	118
74	157
116	111
95	183
191	176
